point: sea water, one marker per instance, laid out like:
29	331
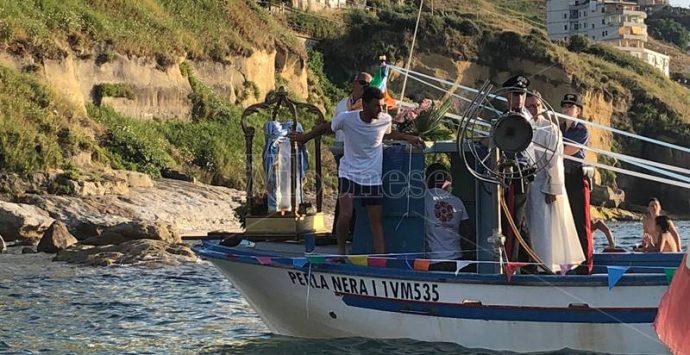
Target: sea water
51	307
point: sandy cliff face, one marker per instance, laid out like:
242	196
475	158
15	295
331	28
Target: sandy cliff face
163	92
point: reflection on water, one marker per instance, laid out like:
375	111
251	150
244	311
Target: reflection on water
59	308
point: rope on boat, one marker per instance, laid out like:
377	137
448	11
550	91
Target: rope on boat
414	38
518	236
560	115
409	186
643	163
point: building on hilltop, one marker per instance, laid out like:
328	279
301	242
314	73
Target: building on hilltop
652	3
616	22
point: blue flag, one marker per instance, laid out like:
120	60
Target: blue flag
615	274
299	262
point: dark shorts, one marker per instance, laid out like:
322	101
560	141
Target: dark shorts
368	195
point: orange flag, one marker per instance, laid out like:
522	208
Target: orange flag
422	264
672	322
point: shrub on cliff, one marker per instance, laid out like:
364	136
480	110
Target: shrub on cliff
37	129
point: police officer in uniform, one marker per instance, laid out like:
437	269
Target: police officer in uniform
517	191
577	183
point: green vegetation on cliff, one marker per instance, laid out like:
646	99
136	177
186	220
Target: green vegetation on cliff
38	130
162	28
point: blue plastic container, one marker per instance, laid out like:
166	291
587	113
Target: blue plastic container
403	205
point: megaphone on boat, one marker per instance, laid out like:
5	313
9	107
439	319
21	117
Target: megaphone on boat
512	132
513	138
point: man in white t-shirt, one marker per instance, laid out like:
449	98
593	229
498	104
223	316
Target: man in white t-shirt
447	224
359	176
352	102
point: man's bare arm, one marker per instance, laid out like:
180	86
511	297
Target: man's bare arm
318	130
412	139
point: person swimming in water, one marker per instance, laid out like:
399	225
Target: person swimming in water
649	223
662	240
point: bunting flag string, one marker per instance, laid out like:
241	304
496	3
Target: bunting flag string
615	273
565	268
512	267
376	262
461	264
299	262
422	264
316	259
669	274
264	260
360	260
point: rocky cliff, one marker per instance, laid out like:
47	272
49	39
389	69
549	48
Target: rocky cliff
157	92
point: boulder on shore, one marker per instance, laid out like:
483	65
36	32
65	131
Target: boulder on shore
23	222
606	196
56	238
127	253
135	230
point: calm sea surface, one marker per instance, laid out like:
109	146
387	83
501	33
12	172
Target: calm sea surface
48	307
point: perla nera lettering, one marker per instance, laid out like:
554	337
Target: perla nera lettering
403	290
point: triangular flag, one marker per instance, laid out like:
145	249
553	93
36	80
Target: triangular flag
316	259
299	262
565	268
460	264
422	264
511	267
669	274
376	262
615	274
358	259
264	260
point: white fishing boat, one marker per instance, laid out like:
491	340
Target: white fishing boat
286	268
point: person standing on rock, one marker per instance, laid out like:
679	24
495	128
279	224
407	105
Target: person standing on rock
576	182
352	102
361	168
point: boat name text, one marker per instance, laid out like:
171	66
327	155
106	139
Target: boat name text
397	289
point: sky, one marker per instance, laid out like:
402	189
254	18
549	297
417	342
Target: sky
681	3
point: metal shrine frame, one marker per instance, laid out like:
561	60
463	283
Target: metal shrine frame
274	101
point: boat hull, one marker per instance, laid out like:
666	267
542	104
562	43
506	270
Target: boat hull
522	317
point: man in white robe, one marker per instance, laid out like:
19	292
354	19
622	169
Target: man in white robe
550	221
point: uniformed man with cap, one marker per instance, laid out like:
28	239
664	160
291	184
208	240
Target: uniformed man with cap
577	184
517	191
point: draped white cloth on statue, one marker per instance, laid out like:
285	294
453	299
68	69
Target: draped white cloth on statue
552	228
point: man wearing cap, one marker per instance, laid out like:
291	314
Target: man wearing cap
576	182
518	190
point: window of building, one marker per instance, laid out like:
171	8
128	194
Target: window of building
565	15
565	27
594	37
603	21
577	27
603	33
592	26
603	9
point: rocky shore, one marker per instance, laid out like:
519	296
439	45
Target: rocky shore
122	218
